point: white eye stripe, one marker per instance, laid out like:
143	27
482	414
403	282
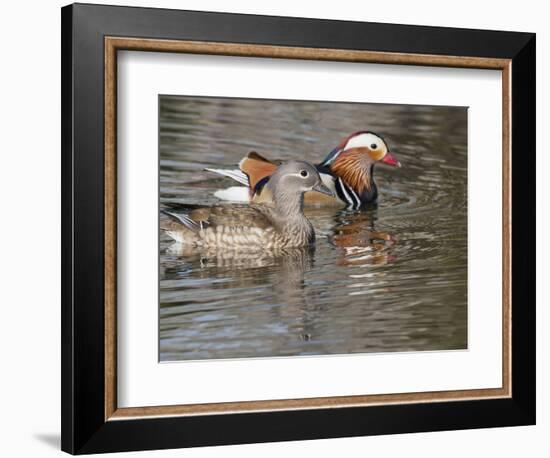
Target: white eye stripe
299	175
363	140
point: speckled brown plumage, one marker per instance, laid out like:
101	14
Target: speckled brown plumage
242	227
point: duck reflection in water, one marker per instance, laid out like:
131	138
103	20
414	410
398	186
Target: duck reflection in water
360	244
355	236
282	271
244	267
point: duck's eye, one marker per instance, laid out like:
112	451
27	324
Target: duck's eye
374	146
304	173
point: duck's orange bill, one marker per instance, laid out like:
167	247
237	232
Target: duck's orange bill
390	160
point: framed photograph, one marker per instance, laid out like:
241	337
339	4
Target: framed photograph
281	228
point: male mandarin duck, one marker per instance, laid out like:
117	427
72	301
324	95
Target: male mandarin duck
244	227
347	171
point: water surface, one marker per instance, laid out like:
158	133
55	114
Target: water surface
389	278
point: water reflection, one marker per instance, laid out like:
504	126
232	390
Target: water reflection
291	263
389	278
360	243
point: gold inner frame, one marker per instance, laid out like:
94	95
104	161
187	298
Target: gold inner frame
114	44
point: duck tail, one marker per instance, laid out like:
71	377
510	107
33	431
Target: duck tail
180	227
235	174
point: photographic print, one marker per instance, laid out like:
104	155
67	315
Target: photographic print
305	217
308	228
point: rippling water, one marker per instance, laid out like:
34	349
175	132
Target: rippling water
389	278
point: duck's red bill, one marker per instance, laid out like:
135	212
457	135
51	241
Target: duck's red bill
390	160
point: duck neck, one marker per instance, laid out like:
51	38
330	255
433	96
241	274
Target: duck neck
356	171
289	206
290	220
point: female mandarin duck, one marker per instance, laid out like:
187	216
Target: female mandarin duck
281	225
347	171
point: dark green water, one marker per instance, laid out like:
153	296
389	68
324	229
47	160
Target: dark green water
391	278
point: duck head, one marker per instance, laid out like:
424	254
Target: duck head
297	177
354	158
290	181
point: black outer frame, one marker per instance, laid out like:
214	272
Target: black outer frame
84	429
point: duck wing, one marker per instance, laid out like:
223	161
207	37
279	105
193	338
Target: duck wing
196	218
257	168
233	216
252	169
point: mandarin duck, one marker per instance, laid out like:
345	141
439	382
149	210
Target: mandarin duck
245	227
347	171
